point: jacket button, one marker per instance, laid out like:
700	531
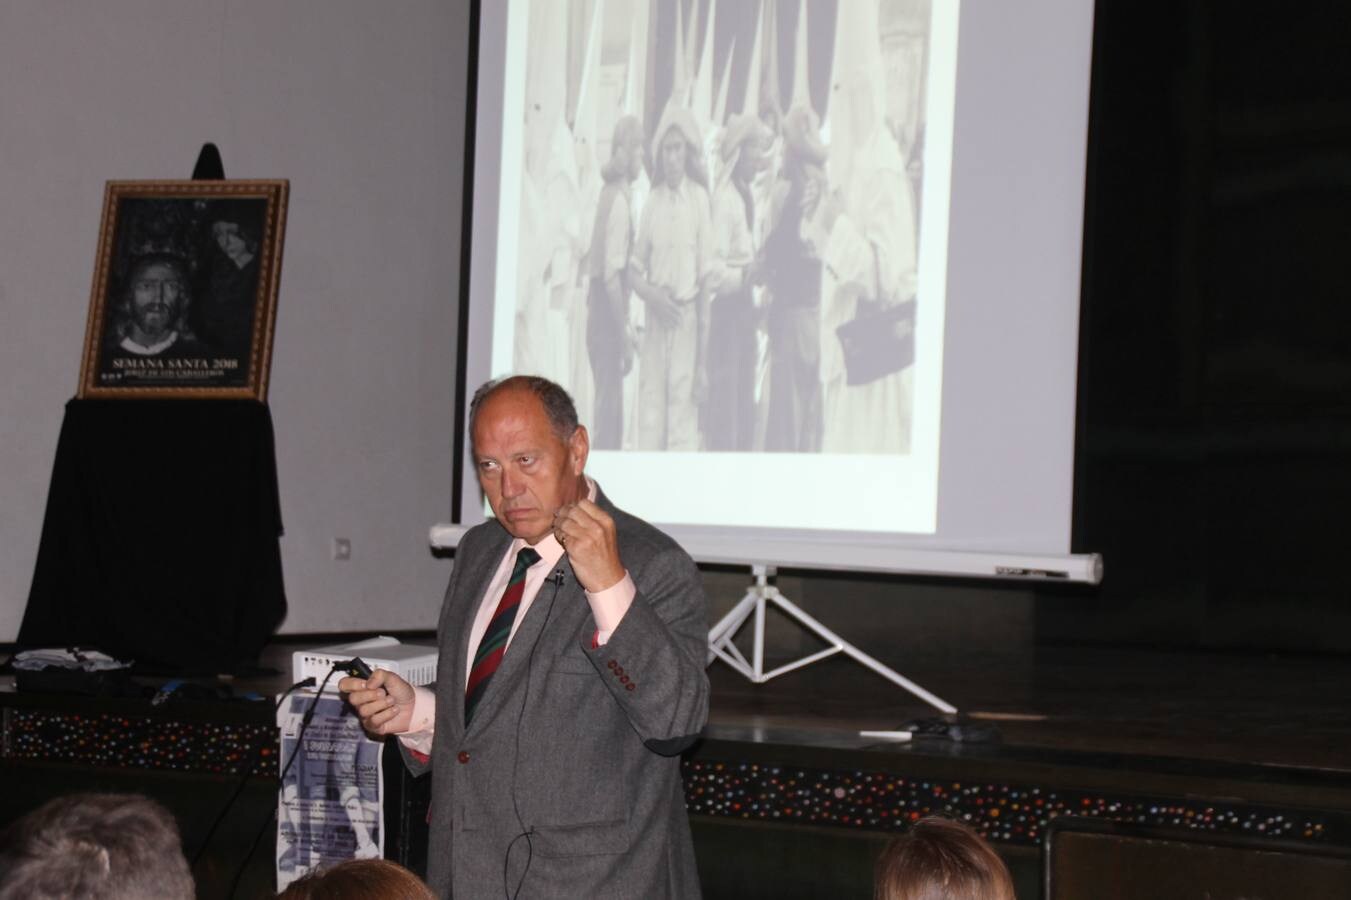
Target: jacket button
611	664
623	679
630	686
463	756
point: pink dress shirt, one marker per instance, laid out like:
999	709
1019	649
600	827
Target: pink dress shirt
608	607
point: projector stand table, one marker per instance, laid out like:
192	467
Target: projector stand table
720	637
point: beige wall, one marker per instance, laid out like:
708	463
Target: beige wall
361	106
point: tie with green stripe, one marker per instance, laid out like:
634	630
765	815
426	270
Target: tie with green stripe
493	645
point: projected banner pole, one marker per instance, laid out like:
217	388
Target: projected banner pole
761	594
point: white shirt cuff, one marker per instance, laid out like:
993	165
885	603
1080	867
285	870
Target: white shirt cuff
423	727
608	608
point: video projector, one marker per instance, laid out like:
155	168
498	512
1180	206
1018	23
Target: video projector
414	663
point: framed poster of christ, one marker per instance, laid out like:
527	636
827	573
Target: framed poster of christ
185	289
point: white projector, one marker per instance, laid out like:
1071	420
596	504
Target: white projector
414	663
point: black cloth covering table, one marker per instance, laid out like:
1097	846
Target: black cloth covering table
161	537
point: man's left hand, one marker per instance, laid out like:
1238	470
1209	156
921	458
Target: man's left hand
587	533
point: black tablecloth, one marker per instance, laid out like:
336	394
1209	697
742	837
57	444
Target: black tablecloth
160	542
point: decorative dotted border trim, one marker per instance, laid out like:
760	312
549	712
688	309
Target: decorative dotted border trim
878	801
141	742
1003	813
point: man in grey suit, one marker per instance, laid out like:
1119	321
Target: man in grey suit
571	674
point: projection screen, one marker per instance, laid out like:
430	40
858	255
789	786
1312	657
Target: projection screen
810	268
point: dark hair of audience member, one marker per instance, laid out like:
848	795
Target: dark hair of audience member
359	879
941	859
100	846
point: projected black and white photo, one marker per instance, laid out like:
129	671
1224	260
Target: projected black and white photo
811	268
720	203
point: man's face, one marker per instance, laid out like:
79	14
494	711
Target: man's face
751	160
156	298
673	157
633	147
526	471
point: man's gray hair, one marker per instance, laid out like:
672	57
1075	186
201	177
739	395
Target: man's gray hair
558	406
103	846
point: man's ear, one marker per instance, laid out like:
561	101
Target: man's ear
579	445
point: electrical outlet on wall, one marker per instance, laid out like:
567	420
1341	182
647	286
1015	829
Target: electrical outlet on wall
342	548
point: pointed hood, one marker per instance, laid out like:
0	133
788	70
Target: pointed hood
802	95
857	91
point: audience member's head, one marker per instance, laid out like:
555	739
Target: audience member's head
100	846
939	859
359	879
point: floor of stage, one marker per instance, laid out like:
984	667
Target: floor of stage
1282	711
1276	711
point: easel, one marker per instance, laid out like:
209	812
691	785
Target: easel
762	593
217	593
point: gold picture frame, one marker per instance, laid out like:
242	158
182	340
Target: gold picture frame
185	290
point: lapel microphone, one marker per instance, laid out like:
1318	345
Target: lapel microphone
557	577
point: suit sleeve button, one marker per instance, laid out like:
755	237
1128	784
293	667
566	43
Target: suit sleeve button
630	686
611	664
463	756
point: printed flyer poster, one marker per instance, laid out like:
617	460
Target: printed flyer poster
330	804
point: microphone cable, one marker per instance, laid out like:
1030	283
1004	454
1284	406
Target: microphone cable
248	773
557	580
281	779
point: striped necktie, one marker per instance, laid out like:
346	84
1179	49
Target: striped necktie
494	643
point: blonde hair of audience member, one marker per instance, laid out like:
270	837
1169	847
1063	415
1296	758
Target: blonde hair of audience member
100	846
940	859
359	879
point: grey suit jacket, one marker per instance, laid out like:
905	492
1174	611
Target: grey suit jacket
574	748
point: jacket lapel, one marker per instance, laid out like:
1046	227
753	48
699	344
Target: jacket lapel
565	610
550	618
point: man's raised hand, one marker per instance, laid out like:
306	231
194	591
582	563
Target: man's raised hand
587	533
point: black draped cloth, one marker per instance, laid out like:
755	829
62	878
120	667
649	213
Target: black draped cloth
161	538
